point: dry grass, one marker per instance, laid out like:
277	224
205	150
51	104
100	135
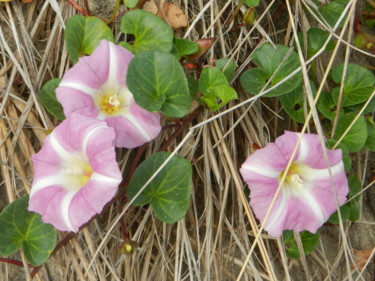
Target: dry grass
219	239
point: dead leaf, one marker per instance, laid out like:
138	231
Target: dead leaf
170	13
173	15
151	7
361	257
203	46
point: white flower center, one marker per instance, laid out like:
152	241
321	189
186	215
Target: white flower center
294	183
77	173
112	100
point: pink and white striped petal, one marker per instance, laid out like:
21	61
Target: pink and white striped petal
75	173
96	87
308	195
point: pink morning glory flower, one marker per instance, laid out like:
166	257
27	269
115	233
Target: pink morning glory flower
306	199
96	87
75	173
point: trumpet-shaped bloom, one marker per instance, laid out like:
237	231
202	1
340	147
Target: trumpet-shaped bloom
75	173
306	199
96	87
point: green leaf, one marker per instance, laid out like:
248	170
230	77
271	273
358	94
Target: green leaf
21	228
47	96
219	96
228	67
169	191
213	84
345	153
183	47
293	104
358	84
194	89
269	61
251	3
83	34
158	83
316	38
131	3
354	188
370	141
345	213
355	139
151	33
332	12
326	106
308	239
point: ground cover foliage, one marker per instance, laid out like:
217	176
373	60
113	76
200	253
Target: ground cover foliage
219	238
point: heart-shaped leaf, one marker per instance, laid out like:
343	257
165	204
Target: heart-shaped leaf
169	191
355	139
219	96
151	33
215	88
83	34
332	12
21	228
158	83
47	96
277	63
358	84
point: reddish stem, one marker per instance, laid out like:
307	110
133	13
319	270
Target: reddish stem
87	7
15	262
77	7
183	125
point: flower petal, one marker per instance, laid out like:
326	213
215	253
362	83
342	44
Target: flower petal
136	127
264	163
119	59
73	100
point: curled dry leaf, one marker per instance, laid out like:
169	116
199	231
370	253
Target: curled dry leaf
170	13
203	46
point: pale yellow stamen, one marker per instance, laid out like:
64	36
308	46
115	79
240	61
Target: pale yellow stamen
78	174
112	100
293	183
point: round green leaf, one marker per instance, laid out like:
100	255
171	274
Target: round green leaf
293	104
316	38
151	33
269	61
326	106
358	84
355	139
47	96
169	191
158	83
184	47
21	228
210	78
83	34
